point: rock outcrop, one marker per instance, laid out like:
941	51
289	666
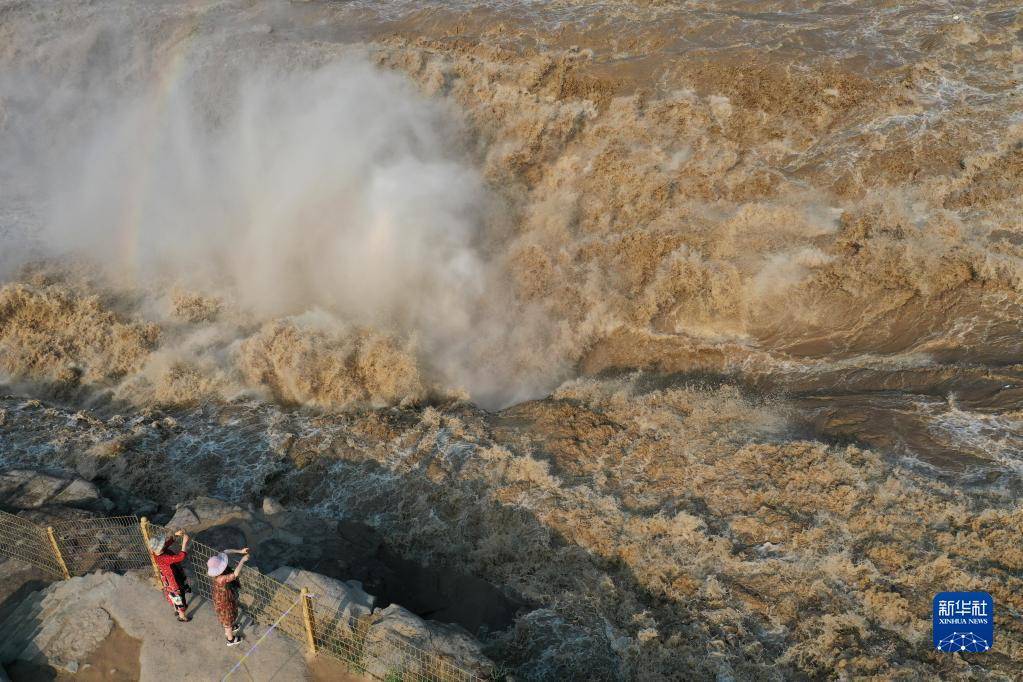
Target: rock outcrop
271	506
396	632
75	625
343	549
346	551
28	489
392	633
58	625
203	511
62	625
354	603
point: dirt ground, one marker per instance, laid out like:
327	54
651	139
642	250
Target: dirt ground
326	669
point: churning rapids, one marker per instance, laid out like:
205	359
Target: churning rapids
694	327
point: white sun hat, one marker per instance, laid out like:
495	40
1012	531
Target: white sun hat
156	543
216	565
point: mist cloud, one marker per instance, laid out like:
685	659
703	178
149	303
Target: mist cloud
285	187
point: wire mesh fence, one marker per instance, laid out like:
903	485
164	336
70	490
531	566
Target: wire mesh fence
118	544
379	654
25	541
394	658
339	635
110	544
334	631
262	598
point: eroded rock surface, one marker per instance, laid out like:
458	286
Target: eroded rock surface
31	489
353	600
66	621
394	631
342	552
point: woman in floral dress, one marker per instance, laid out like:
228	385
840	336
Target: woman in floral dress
225	593
171	565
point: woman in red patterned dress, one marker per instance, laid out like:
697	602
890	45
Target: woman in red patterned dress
171	565
225	595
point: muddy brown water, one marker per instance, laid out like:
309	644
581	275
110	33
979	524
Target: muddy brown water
741	274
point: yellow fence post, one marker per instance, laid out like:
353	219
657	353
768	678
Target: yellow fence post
144	525
56	552
307	610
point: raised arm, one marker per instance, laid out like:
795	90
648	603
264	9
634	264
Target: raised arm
184	540
238	568
243	550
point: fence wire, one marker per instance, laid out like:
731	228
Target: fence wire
117	544
110	544
396	657
259	596
25	541
339	635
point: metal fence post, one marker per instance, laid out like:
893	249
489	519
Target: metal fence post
56	552
307	610
144	525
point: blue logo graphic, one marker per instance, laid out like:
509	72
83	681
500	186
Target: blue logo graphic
964	621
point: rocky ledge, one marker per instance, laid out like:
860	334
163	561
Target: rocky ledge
287	545
279	539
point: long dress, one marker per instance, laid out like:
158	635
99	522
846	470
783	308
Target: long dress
170	565
225	599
